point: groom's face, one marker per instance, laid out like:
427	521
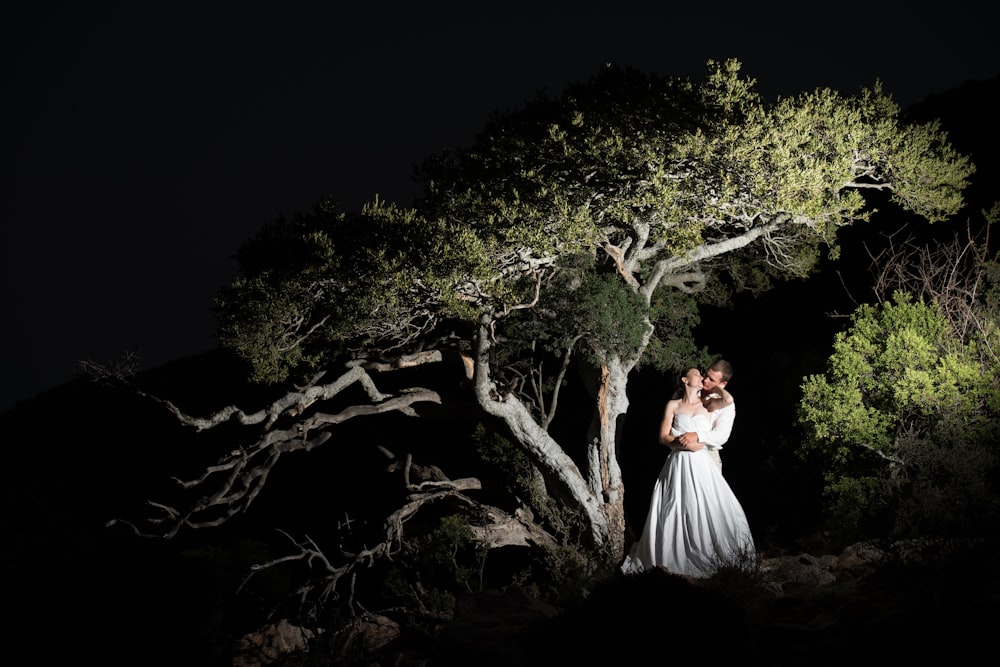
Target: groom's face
713	380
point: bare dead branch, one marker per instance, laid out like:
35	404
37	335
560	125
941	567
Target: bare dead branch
120	371
234	482
494	528
952	274
294	402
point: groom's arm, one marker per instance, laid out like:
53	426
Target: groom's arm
721	429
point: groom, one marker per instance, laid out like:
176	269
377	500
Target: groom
722	411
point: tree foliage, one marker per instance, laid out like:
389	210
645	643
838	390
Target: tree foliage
662	181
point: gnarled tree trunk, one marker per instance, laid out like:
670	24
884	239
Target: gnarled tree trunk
597	492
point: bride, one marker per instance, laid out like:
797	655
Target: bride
695	523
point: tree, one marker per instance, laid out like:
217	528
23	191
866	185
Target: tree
574	239
904	419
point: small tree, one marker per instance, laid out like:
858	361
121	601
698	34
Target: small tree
905	418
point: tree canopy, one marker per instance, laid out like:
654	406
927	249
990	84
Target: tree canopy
664	181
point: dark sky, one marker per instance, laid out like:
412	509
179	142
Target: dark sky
146	141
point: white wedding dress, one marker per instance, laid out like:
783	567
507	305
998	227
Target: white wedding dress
695	523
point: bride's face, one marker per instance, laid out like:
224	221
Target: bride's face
693	378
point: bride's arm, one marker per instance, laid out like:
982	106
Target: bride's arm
666	426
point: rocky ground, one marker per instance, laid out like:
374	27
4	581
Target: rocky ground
863	605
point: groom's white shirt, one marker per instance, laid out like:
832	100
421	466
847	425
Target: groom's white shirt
722	426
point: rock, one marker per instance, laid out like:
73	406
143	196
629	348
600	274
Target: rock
803	570
368	634
270	643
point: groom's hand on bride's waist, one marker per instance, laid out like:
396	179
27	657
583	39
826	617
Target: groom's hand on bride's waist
690	441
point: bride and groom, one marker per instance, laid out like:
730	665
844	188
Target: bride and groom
722	413
694	524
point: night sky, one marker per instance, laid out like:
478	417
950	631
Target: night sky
146	141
